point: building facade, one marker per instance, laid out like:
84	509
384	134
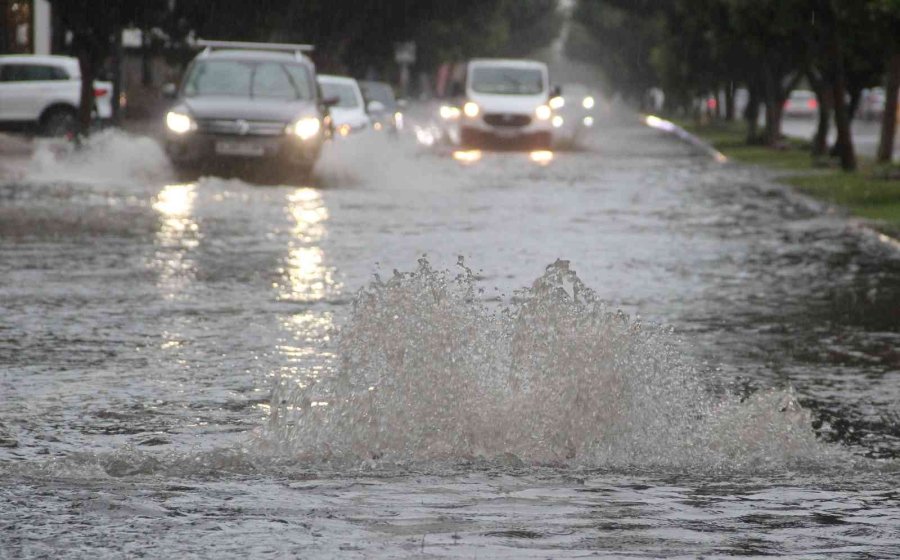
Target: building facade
25	27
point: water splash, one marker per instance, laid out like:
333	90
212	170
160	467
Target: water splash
107	157
428	371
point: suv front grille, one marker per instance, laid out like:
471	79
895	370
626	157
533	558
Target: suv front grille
507	119
241	128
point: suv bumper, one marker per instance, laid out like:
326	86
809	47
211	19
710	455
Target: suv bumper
198	149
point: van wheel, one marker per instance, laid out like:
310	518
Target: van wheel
61	121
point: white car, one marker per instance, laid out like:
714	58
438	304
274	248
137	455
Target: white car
801	104
506	100
347	106
45	90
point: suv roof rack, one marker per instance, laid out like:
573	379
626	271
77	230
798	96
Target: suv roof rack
298	50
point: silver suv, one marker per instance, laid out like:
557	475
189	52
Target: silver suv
251	103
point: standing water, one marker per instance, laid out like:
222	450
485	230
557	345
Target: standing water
217	369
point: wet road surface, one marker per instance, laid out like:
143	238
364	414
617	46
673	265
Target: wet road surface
144	324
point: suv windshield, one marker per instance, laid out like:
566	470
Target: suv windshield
238	78
507	81
345	93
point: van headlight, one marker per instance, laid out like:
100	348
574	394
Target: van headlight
588	103
179	123
471	109
557	103
543	113
307	128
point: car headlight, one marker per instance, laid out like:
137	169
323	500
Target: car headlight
471	109
307	128
588	103
543	112
398	120
449	113
179	123
557	103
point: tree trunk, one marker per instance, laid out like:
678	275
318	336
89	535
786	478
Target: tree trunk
774	109
117	60
841	116
826	105
719	104
730	109
751	115
889	119
146	66
86	104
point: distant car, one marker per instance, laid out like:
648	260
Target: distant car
383	108
578	106
348	112
504	101
247	102
45	92
873	103
801	104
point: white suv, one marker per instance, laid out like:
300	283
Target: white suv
46	91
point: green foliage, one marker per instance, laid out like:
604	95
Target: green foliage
622	39
350	35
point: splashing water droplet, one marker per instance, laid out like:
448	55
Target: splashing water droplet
426	371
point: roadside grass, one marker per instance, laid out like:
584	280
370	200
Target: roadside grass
873	192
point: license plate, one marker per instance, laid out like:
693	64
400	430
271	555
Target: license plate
247	149
507	133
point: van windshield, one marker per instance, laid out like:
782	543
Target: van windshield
507	81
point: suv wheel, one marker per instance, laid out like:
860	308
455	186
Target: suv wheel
61	121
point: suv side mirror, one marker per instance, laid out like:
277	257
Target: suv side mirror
170	91
556	91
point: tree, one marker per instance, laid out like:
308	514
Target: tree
834	51
888	16
92	28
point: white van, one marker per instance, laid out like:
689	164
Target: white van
507	100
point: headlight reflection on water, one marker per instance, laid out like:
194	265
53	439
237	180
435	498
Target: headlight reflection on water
467	157
306	276
178	234
541	157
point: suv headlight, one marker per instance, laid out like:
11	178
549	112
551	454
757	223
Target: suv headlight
471	109
543	113
179	123
307	128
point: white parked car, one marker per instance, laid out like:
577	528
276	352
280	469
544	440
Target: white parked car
347	106
801	104
505	100
45	91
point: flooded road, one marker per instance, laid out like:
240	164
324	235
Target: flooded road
191	370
